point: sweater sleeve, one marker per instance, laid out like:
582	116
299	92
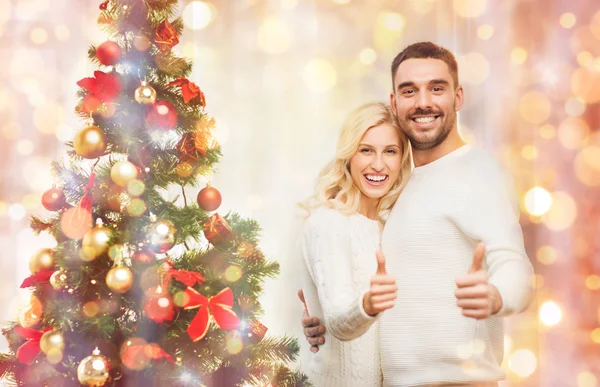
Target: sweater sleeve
491	215
326	250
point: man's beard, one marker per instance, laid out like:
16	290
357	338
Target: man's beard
441	136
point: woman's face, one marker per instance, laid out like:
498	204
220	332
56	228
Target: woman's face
375	166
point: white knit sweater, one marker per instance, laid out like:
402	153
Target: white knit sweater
447	207
339	256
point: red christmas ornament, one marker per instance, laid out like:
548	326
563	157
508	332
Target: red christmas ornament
53	199
108	53
104	5
160	308
143	256
190	91
216	230
209	198
161	115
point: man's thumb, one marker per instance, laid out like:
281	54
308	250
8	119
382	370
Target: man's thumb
380	262
478	257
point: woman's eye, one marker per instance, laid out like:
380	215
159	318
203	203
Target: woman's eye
365	150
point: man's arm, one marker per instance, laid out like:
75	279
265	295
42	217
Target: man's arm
313	330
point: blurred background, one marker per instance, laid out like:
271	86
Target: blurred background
280	76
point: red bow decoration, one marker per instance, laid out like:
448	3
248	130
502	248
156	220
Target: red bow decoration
152	350
188	278
41	276
102	87
220	308
189	90
28	351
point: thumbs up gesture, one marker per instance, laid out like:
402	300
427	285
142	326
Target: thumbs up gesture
383	289
476	297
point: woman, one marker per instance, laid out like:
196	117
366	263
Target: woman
345	285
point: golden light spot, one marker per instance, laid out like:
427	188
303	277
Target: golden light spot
575	107
592	282
136	207
368	56
470	8
62	32
587	165
233	342
522	362
474	68
595	25
567	20
518	55
31	201
181	299
547	131
136	187
563	212
573	132
538	201
198	15
586	379
485	31
585	58
550	313
595	335
38	35
535	107
388	29
547	255
233	273
91	309
529	152
319	75
274	36
585	84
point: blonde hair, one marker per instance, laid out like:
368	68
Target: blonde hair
335	187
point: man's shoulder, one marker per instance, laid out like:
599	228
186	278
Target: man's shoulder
482	162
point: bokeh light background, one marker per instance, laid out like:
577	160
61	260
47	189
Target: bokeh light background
280	75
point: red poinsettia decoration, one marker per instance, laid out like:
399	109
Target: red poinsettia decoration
40	277
29	351
102	87
166	36
190	91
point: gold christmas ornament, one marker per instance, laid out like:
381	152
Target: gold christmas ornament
58	280
42	260
90	143
31	314
95	242
119	279
123	172
145	94
162	236
52	341
94	370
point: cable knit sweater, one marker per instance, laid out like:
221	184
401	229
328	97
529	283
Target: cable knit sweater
339	256
447	207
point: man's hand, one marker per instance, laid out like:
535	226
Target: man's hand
383	290
312	329
476	297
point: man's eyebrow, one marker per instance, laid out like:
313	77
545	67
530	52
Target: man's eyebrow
439	81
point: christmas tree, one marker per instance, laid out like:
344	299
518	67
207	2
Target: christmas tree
142	289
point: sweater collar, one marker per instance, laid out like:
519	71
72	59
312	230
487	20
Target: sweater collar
444	160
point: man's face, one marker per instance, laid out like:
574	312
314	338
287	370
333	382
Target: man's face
425	101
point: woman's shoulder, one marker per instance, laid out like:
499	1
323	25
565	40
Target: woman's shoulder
325	219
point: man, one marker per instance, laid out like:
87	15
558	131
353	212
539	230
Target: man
452	240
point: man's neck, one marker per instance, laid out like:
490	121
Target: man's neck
424	157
